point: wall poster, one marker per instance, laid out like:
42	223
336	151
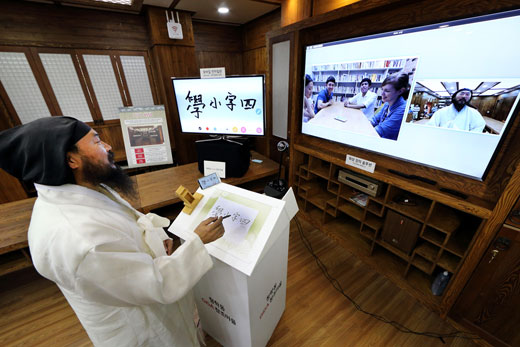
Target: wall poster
145	133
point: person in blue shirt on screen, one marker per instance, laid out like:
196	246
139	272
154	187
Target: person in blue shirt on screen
387	122
325	96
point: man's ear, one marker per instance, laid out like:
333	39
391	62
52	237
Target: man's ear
73	160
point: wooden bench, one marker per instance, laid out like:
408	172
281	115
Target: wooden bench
15	218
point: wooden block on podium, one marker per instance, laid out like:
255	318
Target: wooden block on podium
190	201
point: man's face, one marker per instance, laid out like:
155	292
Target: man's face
364	87
95	151
463	97
330	87
96	164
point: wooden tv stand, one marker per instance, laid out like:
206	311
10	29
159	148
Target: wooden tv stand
448	225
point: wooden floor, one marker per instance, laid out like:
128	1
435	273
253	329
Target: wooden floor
34	312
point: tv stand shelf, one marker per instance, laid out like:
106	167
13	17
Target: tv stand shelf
446	228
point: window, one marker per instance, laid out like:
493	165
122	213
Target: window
89	85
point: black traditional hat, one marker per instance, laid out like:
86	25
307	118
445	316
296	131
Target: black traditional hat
37	151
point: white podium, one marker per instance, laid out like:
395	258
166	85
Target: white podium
242	298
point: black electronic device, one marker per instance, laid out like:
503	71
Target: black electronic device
454	192
234	152
413	177
360	182
209	181
278	187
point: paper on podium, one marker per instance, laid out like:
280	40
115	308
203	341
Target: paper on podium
240	221
241	248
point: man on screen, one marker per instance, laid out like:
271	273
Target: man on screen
364	101
460	114
325	96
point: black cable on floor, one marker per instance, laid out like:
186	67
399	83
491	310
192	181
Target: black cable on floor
397	325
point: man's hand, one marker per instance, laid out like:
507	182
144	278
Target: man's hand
168	246
210	229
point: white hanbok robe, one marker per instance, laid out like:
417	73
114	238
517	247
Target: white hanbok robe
467	119
109	261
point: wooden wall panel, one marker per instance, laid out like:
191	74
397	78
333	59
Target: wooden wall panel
111	134
485	105
254	38
34	24
217	37
255	61
254	32
295	10
504	104
219	46
10	188
6	121
156	18
167	62
231	61
324	6
491	298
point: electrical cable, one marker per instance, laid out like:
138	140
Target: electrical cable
396	325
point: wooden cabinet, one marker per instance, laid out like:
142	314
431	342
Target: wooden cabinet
400	231
490	301
410	238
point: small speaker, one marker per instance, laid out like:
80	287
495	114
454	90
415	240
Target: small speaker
235	153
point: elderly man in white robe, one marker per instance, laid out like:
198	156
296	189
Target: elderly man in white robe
459	115
115	266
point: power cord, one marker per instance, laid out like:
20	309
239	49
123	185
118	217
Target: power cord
397	325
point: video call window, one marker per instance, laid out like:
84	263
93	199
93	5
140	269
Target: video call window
367	97
476	105
452	113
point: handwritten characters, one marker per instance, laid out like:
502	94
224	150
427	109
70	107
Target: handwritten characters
196	104
235	216
238	224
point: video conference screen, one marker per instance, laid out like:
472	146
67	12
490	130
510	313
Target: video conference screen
441	95
221	106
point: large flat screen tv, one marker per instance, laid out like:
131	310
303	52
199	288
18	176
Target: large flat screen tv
221	106
461	98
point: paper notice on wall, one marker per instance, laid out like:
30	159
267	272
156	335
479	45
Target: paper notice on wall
238	223
145	134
